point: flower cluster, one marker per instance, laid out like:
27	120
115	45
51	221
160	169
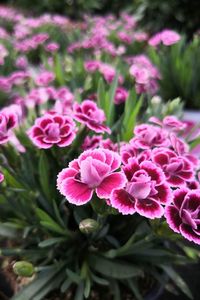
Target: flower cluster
157	177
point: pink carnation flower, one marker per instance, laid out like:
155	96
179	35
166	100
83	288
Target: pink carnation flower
121	95
7	122
149	136
146	191
92	66
53	129
44	78
89	114
167	37
178	169
183	216
94	170
52	47
1	177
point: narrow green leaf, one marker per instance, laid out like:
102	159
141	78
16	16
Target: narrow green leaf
50	242
178	281
44	174
113	268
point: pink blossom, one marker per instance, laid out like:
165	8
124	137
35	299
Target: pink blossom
44	78
5	84
52	47
18	77
92	66
124	37
146	190
7	122
93	171
178	169
3	54
1	177
21	62
121	95
52	129
89	114
108	72
170	123
127	151
183	216
92	142
167	37
149	136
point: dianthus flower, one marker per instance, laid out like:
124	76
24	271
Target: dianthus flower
52	129
93	171
89	114
145	192
183	215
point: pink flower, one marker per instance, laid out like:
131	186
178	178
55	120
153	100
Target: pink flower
7	122
146	191
92	66
121	95
52	47
127	151
183	216
21	62
149	136
53	129
93	171
92	142
178	169
167	37
1	177
44	78
3	54
89	114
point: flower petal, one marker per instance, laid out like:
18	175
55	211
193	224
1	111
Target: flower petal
111	182
122	201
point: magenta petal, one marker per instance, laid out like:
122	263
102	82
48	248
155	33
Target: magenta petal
149	208
164	194
75	191
111	182
66	141
179	196
122	201
64	174
189	234
172	217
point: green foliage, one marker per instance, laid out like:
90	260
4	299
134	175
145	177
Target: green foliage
179	66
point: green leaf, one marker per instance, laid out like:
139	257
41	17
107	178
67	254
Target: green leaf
100	207
74	277
59	70
42	284
79	292
134	288
110	105
48	222
178	281
66	284
101	94
50	242
44	174
113	268
132	108
8	231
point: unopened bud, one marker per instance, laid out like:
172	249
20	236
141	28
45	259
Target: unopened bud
23	268
88	226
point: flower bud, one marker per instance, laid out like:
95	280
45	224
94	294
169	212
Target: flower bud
88	226
23	268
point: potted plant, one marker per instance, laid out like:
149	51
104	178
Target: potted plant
99	180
